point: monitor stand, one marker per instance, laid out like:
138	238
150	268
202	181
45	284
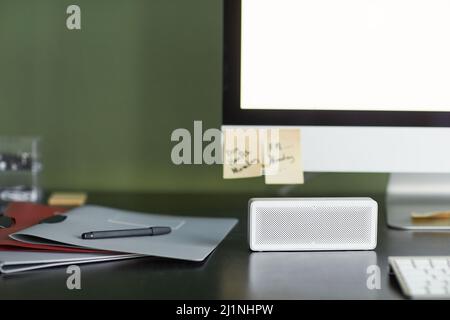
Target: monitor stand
411	192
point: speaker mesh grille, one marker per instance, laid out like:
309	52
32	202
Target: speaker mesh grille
311	225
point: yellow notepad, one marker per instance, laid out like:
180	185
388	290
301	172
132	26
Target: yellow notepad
67	199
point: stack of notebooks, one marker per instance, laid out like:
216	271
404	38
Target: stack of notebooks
34	236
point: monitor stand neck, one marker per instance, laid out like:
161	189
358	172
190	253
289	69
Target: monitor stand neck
407	193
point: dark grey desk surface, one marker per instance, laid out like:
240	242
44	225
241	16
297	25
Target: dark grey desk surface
232	271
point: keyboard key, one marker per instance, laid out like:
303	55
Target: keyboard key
405	263
418	291
421	263
437	290
440	263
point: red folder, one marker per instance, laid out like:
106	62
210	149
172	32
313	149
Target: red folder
26	215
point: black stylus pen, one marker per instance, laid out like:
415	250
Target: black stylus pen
152	231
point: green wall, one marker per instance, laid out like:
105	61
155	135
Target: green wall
106	98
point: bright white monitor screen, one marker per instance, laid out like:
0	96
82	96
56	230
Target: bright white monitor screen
365	55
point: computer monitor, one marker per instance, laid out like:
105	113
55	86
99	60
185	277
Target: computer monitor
367	81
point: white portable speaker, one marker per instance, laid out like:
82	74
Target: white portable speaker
309	224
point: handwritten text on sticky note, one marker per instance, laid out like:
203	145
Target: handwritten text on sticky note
241	154
282	157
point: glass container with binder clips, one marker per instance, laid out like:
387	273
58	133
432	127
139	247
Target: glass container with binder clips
20	167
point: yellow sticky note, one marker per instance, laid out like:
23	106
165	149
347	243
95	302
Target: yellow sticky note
241	153
67	199
282	156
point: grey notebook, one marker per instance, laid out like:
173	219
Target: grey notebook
192	238
18	261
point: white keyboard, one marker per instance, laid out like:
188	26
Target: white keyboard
422	277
